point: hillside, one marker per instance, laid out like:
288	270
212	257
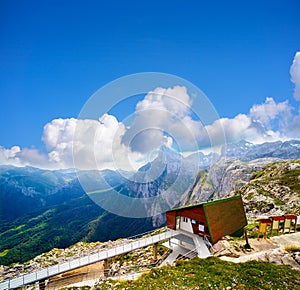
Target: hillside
269	264
212	273
43	209
222	179
273	190
268	187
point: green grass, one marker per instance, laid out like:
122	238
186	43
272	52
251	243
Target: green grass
4	253
19	228
258	174
292	248
212	273
291	180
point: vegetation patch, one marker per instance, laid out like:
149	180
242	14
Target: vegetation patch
212	273
292	248
257	174
4	253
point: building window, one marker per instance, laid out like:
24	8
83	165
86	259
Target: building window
201	227
194	222
185	219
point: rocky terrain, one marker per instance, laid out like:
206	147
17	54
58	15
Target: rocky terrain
273	190
222	179
279	250
247	151
268	186
52	206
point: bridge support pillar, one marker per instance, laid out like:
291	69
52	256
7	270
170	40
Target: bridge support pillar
42	285
155	251
106	268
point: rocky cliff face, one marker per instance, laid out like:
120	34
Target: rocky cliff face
222	179
268	185
246	151
273	190
206	177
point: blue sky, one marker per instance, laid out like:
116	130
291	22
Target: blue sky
55	54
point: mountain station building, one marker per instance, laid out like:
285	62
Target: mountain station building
214	219
201	225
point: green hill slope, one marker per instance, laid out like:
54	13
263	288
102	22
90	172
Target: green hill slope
213	273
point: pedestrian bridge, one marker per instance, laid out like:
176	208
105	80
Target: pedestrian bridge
44	274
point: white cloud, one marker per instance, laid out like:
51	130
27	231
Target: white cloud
269	112
295	75
294	129
93	142
163	113
58	137
174	100
155	116
163	117
234	129
22	157
9	156
265	123
32	157
59	131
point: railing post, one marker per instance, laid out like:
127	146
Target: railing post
155	251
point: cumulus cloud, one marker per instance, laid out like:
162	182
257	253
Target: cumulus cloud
294	129
163	117
163	114
92	143
269	112
265	123
234	129
9	156
174	100
32	157
295	75
22	157
58	137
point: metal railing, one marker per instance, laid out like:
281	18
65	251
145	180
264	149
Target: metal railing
189	255
207	242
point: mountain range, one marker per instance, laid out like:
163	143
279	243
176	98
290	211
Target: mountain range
43	209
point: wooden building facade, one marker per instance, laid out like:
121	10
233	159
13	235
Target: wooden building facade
214	219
